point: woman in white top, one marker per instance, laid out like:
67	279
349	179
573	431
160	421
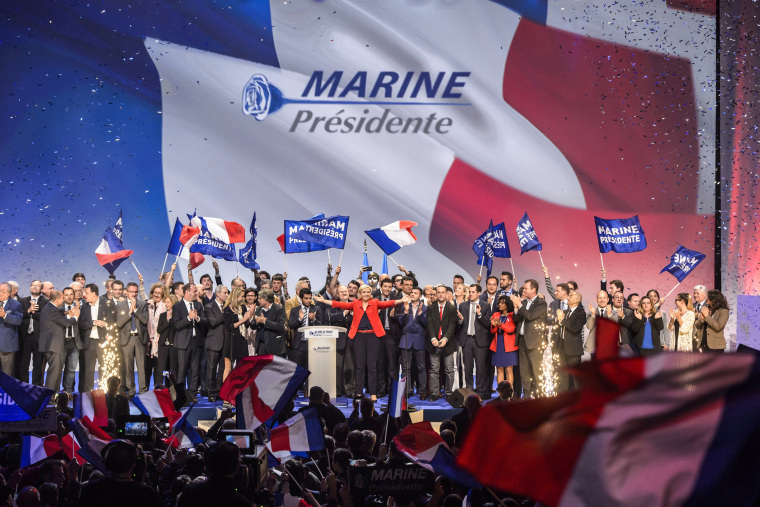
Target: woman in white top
682	323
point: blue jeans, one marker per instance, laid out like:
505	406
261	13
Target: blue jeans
70	360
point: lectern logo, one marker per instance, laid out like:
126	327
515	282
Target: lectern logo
321	349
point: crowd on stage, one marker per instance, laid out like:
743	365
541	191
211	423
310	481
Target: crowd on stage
189	336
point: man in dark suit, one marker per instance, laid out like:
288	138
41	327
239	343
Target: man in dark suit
387	357
30	335
73	344
306	315
570	324
95	330
53	323
475	340
530	319
413	323
214	311
344	353
270	325
187	318
441	341
11	317
133	339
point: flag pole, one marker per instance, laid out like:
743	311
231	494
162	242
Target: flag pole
602	259
164	266
340	261
133	265
328	256
237	268
394	260
317	466
496	497
387	420
669	293
514	275
480	273
542	259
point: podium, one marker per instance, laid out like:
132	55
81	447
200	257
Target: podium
320	340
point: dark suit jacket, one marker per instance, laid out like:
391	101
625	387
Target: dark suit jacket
141	322
447	326
165	331
638	329
294	323
106	313
9	325
25	304
571	331
482	325
335	317
52	324
270	336
122	319
534	319
215	319
183	327
395	328
84	327
494	306
413	330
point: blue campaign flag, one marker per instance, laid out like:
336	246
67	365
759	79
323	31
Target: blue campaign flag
683	262
295	245
208	244
620	235
385	264
20	401
329	232
527	235
483	246
500	243
247	256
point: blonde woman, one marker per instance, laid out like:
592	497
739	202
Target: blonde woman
682	323
237	318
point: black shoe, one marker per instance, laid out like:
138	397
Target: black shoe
433	397
212	398
423	397
204	393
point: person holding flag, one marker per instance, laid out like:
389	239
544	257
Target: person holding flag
366	330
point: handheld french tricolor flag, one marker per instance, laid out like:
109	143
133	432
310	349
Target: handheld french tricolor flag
157	404
92	405
111	252
670	429
392	237
397	399
183	434
71	447
34	449
183	238
300	433
89	440
260	387
223	230
420	443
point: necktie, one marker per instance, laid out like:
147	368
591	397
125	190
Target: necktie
386	323
189	309
31	321
471	324
134	324
305	320
70	329
440	328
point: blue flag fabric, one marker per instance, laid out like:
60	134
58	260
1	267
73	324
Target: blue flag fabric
385	264
247	256
21	401
208	244
621	235
483	246
527	235
175	245
329	232
683	262
295	245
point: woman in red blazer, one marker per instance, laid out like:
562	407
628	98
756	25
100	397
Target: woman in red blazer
365	331
504	343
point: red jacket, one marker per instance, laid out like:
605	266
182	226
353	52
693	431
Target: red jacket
508	328
373	306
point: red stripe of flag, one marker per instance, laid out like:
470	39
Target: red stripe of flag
280	439
235	231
